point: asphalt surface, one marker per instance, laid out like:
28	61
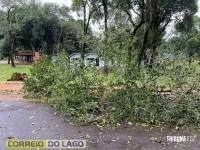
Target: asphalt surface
23	120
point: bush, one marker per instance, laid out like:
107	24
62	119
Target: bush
41	78
88	95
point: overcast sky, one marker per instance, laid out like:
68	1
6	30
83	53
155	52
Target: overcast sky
60	2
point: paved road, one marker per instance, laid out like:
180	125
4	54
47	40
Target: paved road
3	62
34	120
6	62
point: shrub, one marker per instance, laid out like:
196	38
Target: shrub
41	78
86	94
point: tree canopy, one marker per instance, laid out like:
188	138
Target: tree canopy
50	29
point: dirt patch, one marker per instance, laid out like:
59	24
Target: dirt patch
11	86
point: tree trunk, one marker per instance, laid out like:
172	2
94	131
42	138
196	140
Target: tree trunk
9	59
155	52
105	9
11	47
148	24
11	38
33	52
58	44
12	58
83	47
83	51
142	53
84	32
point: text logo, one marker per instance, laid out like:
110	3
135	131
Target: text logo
181	138
25	144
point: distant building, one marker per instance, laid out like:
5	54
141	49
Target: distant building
169	55
93	59
90	58
27	56
75	56
54	57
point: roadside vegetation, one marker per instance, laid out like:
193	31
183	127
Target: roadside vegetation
91	97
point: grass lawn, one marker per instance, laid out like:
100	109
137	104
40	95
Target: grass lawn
6	70
161	81
197	66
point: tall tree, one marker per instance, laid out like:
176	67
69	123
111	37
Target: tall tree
134	18
153	16
88	8
159	13
46	29
10	7
187	37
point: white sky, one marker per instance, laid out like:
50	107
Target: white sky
60	2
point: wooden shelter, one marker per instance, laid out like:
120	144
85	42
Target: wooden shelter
24	56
